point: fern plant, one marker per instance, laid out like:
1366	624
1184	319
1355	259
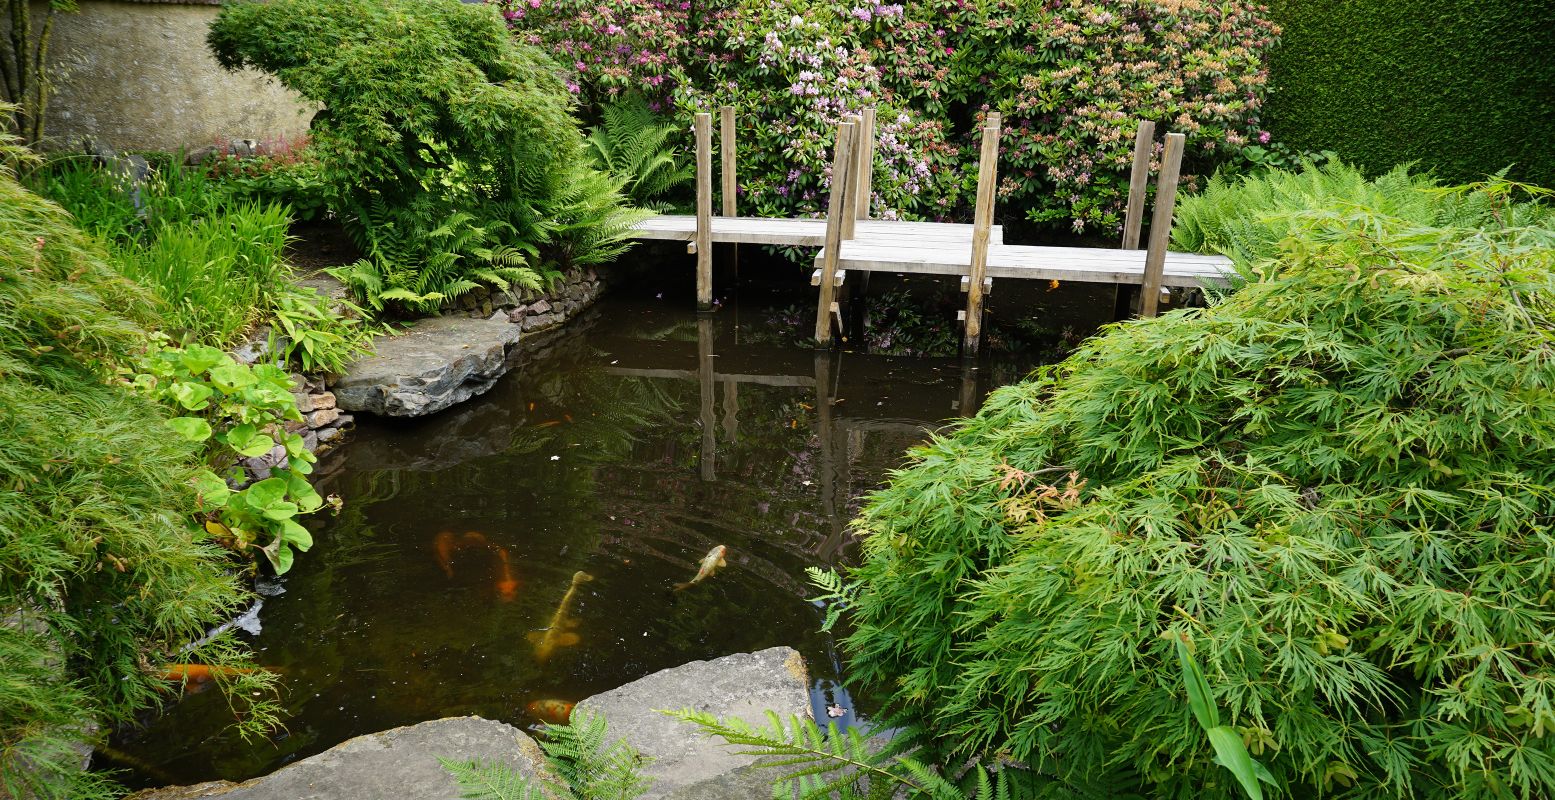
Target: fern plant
634	144
587	766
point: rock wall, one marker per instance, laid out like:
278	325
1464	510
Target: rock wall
137	76
550	309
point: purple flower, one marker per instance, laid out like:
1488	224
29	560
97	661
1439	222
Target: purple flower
1263	137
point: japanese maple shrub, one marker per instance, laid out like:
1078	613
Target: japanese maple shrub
1338	485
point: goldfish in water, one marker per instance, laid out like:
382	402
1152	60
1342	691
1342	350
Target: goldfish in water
556	634
711	563
556	712
507	585
196	678
448	546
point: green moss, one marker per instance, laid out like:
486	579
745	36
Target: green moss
1465	87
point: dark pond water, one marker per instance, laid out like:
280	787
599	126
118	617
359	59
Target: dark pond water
625	448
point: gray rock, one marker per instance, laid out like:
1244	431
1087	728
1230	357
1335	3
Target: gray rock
744	685
326	434
322	417
539	321
541	306
517	313
304	401
439	362
323	400
397	763
310	440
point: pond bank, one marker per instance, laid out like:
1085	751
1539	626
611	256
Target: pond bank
403	762
442	361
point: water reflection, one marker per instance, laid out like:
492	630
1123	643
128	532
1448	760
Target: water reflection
519	553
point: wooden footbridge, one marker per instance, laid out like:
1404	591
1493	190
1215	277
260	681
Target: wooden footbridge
851	241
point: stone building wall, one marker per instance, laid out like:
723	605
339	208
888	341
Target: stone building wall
138	76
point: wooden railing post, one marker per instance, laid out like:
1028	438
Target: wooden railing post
849	192
865	171
704	233
726	153
836	206
1138	178
982	223
1161	225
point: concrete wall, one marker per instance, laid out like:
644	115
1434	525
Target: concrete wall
137	76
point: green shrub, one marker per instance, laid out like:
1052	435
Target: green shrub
1337	484
1248	217
103	579
435	120
1460	86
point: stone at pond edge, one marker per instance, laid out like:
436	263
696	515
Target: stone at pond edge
439	362
397	763
687	764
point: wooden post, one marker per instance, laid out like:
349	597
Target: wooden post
842	154
704	234
865	171
849	193
709	458
726	153
982	222
1138	178
1161	225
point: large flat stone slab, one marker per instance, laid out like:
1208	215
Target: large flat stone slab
745	685
437	363
395	764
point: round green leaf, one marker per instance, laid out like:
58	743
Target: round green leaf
193	429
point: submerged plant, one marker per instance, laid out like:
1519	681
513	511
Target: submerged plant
1338	482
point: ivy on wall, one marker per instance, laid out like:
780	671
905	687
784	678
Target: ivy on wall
1464	87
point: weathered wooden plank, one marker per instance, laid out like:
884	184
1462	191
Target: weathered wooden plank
850	191
842	154
982	220
704	219
866	164
1161	225
726	174
1138	179
801	232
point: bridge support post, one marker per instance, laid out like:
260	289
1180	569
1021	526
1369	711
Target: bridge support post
1161	225
836	207
726	175
703	244
982	223
1138	179
866	165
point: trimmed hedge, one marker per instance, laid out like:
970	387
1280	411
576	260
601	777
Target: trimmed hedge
1465	87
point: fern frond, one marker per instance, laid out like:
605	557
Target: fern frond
489	780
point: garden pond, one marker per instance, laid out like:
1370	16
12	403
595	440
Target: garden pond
524	547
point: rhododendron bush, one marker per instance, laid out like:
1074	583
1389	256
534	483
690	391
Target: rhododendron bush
1070	78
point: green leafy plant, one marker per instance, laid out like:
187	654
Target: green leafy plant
636	146
237	410
446	147
1339	480
103	579
311	333
588	765
1230	750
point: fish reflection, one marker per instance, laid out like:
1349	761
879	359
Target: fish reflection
448	545
557	633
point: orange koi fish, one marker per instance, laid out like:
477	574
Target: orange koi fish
448	546
196	678
507	586
711	563
555	712
556	634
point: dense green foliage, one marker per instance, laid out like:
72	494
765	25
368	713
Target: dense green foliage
102	576
1462	87
1249	217
1337	484
1070	78
636	146
447	147
216	261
